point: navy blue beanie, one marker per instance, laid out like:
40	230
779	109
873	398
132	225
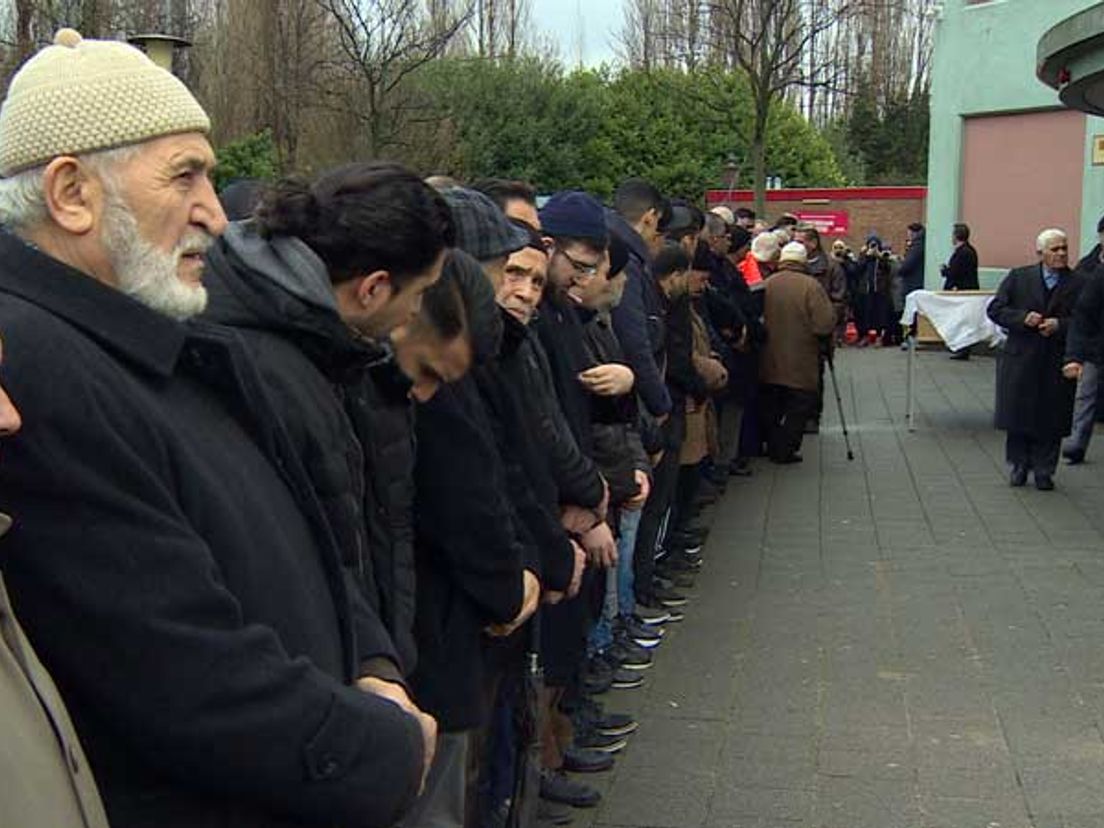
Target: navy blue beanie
576	215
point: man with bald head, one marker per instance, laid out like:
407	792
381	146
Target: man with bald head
170	562
1035	305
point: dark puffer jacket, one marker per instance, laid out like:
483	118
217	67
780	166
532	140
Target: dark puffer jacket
338	392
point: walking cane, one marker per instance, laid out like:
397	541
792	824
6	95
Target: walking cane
839	404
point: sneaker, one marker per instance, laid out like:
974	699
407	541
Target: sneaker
626	679
552	813
667	597
591	714
629	656
588	739
1074	456
653	616
648	637
597	676
681	580
677	615
556	786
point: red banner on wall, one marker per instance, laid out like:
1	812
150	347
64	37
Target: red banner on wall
827	222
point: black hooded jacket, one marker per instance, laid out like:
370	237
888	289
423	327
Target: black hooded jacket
345	405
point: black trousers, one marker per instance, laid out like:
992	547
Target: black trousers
1032	453
784	413
664	479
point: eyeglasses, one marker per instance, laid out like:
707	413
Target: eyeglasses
580	267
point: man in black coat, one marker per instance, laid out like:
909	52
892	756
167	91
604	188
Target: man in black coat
171	561
961	271
281	280
1083	350
1034	304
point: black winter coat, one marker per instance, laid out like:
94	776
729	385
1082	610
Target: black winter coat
177	575
468	554
1032	395
912	266
344	403
1084	343
638	320
617	445
560	332
961	272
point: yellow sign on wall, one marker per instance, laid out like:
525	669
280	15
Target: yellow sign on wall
1098	150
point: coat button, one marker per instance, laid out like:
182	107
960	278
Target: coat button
328	766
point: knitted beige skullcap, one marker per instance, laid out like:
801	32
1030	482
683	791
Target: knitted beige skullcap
80	96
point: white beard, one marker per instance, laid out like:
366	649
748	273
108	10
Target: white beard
148	274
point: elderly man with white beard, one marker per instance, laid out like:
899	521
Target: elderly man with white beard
170	562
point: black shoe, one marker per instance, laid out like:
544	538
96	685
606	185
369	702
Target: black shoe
597	676
682	560
626	679
651	603
1018	476
680	579
668	598
1074	456
643	635
556	786
590	742
961	356
553	813
787	460
628	655
650	615
740	467
591	714
1044	482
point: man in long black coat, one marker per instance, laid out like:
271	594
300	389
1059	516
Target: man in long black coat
170	561
1034	401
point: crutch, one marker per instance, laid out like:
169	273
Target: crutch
839	403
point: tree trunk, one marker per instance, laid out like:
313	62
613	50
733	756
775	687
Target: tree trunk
759	151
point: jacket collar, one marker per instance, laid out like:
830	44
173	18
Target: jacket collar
150	340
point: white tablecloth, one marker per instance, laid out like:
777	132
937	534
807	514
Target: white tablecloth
959	319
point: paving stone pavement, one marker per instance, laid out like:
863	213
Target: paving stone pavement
899	642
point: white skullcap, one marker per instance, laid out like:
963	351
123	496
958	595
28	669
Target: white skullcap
79	96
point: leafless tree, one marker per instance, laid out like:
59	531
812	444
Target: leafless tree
381	43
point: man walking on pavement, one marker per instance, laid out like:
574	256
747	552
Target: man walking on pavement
1083	350
1034	400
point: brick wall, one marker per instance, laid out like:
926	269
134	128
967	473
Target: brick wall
886	211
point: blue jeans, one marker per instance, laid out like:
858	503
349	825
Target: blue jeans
620	599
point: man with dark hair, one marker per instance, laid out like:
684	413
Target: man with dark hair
516	199
1083	349
961	272
745	218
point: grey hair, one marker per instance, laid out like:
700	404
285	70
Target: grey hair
714	224
23	199
1047	236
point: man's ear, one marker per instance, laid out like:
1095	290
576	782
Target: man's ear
374	290
74	199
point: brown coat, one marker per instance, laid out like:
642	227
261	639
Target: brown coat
701	418
44	776
796	312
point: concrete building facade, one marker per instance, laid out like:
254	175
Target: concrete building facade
1006	157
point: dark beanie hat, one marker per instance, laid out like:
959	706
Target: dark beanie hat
536	240
576	215
619	256
739	236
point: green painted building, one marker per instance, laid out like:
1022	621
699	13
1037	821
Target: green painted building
1007	157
